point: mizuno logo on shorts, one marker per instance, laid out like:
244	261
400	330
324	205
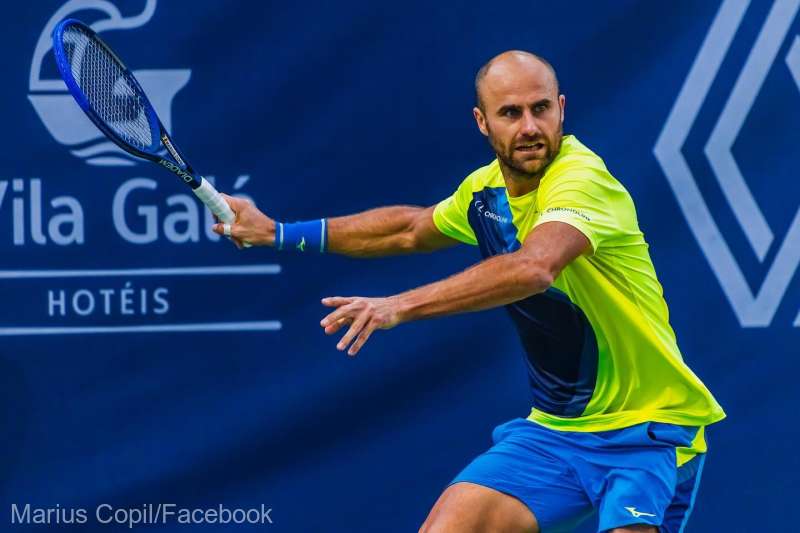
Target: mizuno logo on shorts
638	514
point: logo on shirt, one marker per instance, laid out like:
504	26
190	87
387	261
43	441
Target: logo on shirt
569	210
754	307
488	214
638	514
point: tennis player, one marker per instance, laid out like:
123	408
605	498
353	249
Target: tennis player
618	418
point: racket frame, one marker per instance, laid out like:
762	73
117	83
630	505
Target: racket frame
160	138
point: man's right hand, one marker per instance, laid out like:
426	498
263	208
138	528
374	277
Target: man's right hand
251	225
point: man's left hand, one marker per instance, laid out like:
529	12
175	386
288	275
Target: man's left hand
364	315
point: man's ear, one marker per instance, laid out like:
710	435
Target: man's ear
481	120
563	101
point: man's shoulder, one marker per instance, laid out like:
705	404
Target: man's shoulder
578	166
485	176
575	155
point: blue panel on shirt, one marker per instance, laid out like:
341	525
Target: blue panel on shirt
560	345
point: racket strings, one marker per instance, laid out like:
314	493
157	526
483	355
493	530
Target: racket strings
111	93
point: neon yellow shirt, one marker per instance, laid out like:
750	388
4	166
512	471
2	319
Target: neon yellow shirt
600	352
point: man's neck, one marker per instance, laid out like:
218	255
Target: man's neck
518	184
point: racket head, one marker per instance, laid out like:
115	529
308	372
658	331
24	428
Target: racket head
106	89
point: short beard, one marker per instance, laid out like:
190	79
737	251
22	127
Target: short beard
518	173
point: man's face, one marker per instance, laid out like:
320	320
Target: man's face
522	116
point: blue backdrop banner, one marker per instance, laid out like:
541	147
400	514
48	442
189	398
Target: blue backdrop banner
147	366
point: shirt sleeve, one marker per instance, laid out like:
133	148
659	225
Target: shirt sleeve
450	215
587	200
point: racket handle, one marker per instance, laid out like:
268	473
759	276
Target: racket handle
213	199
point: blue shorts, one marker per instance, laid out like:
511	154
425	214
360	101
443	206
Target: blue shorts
629	476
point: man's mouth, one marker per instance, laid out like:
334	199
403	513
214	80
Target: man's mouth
530	147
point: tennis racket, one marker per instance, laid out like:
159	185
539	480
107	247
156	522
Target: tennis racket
111	97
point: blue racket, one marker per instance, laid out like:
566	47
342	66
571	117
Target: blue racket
109	94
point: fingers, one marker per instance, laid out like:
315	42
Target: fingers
251	226
359	313
336	326
345	311
228	230
336	301
237	204
355	328
362	338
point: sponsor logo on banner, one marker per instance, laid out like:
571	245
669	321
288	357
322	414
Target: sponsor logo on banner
138	297
754	307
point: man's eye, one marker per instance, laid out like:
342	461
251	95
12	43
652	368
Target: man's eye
510	112
541	108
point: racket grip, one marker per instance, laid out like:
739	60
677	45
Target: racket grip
213	199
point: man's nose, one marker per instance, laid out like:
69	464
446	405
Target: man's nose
529	127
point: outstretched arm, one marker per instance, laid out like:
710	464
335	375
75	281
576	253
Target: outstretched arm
386	231
374	233
491	283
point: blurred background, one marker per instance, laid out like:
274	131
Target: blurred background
326	108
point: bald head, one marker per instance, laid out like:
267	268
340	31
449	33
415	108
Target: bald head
521	113
511	64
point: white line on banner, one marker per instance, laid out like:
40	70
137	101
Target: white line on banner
241	270
268	325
